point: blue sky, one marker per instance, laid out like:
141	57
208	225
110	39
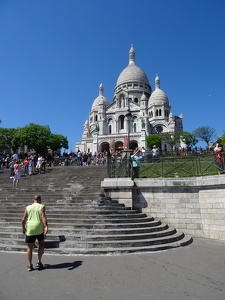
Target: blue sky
55	53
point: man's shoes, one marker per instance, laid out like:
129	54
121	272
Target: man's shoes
39	266
30	268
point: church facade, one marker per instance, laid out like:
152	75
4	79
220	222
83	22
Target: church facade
135	112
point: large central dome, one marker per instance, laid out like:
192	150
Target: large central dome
132	73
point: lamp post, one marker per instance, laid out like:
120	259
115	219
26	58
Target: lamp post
128	151
128	116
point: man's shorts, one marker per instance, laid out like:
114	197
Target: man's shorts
38	166
32	238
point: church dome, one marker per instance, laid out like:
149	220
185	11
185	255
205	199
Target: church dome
100	100
158	96
132	72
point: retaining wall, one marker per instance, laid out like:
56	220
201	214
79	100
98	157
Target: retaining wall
194	205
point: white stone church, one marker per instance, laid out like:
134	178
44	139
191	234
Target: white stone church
134	113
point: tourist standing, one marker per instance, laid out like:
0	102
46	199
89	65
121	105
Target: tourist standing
11	166
30	165
136	160
25	163
155	153
37	227
219	153
16	179
39	163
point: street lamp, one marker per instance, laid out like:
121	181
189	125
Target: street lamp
128	116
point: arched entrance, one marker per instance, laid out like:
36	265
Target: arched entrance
133	144
119	145
104	147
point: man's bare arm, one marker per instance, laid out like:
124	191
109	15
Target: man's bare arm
44	220
24	220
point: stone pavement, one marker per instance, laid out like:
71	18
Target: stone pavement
193	272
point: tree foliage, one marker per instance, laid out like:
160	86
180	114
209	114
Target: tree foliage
171	138
154	139
58	141
33	136
222	137
36	137
205	133
6	136
188	138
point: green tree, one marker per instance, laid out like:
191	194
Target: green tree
57	141
6	136
154	139
188	138
33	136
222	137
171	138
205	133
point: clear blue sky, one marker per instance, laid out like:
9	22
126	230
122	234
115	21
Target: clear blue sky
55	53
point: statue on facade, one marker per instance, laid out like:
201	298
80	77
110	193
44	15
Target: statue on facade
142	123
96	127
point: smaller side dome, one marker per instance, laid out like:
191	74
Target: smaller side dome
100	100
158	96
143	97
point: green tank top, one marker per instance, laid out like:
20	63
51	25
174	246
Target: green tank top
35	224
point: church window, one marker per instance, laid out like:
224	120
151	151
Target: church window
160	112
157	113
159	129
96	118
136	100
135	127
141	85
110	129
121	120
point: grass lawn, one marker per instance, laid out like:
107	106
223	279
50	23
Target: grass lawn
180	167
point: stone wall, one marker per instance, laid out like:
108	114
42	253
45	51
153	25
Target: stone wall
194	205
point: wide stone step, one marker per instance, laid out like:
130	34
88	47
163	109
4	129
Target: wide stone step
95	212
78	206
64	243
52	248
91	237
82	224
84	213
73	213
91	220
73	229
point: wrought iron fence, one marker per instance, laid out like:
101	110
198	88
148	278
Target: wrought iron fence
168	166
119	167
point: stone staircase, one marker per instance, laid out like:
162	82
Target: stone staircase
81	219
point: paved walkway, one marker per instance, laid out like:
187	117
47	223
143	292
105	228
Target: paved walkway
193	272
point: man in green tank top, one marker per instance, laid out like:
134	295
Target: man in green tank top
35	226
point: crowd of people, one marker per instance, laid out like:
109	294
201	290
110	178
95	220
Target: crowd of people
82	158
29	164
26	164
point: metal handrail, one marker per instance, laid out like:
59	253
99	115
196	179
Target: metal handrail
177	166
